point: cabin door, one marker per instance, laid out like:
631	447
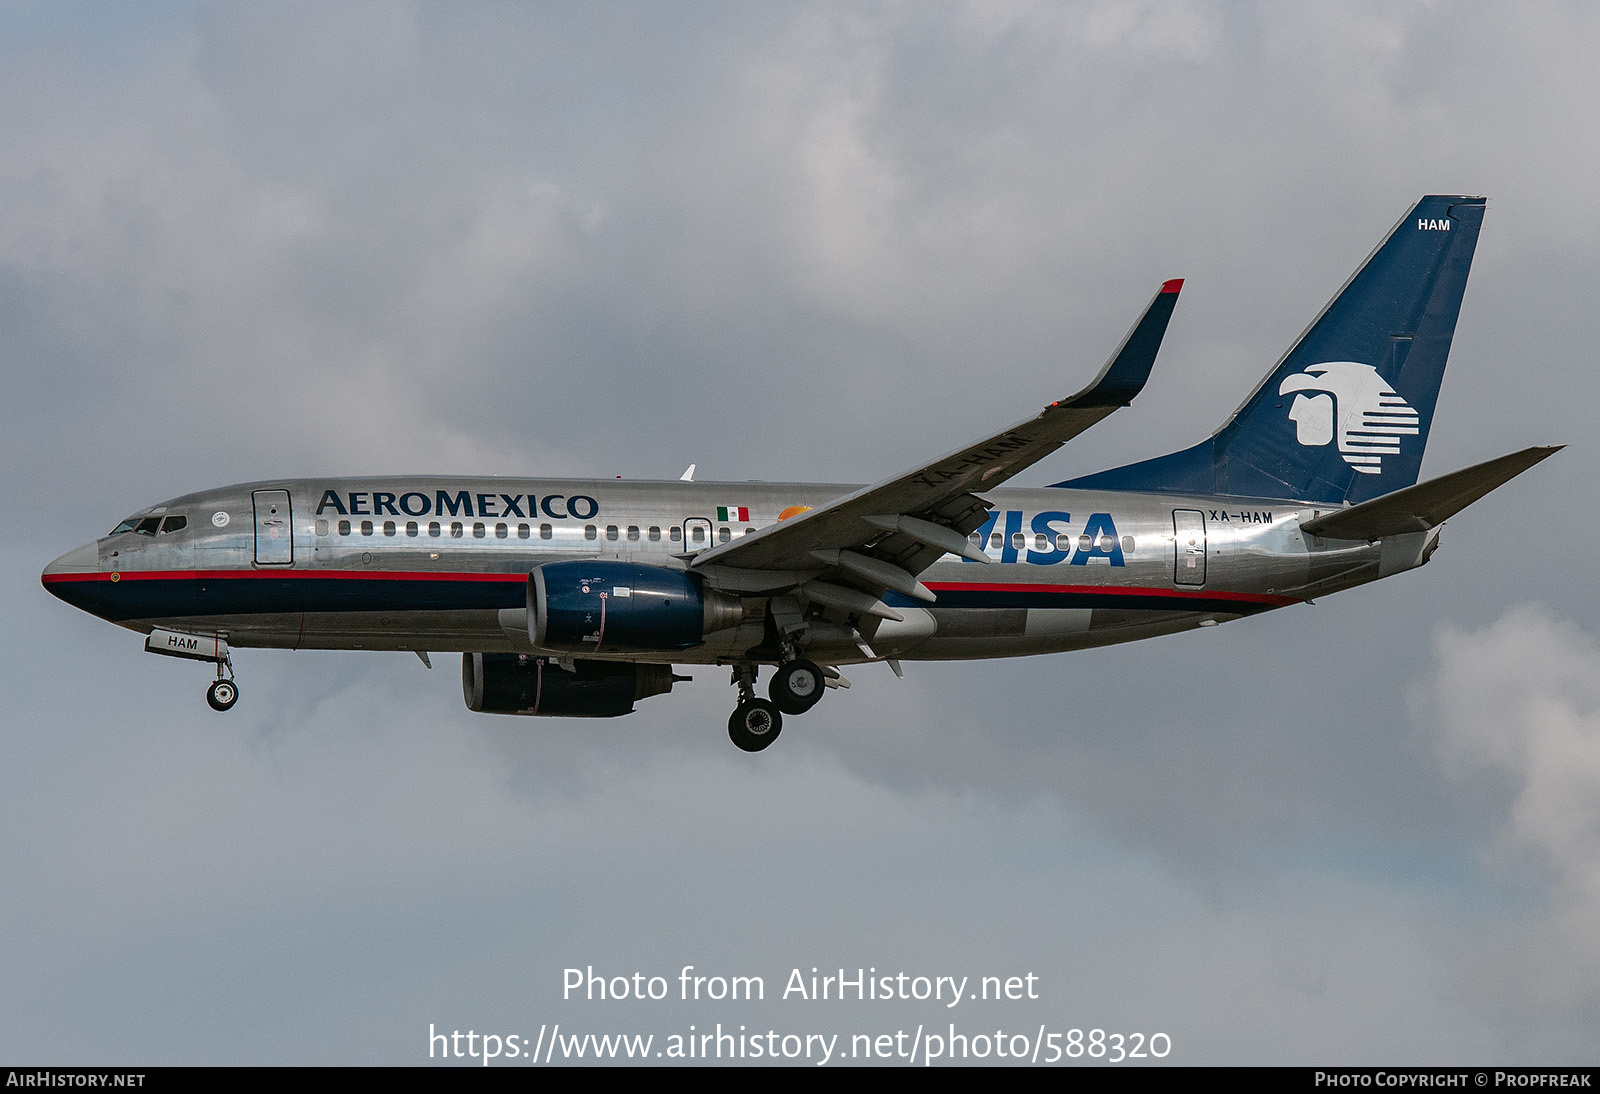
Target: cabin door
274	530
1188	547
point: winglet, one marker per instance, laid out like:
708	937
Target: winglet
1125	374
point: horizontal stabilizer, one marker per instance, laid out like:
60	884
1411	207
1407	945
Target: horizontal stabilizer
1427	504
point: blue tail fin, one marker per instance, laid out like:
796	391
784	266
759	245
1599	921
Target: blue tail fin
1344	416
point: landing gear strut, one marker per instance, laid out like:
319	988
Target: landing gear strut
755	723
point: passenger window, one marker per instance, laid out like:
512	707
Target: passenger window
322	526
1018	541
411	528
344	528
366	527
174	524
699	534
655	533
673	533
1127	545
976	539
1040	543
388	527
997	540
723	535
523	531
633	532
456	528
611	531
478	529
748	531
148	526
1063	541
590	532
1084	543
501	531
546	532
433	528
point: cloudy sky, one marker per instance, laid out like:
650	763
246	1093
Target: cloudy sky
795	241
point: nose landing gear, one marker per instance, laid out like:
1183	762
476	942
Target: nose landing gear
223	692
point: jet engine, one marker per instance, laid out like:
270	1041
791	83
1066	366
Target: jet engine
618	607
517	683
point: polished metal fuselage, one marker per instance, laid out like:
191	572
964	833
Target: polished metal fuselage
441	564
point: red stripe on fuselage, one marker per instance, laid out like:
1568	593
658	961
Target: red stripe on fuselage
443	575
1108	590
224	575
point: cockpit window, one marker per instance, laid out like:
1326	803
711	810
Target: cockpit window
150	526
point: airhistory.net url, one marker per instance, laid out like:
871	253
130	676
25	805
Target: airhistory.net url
918	1046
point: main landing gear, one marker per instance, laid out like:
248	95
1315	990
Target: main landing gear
795	688
755	723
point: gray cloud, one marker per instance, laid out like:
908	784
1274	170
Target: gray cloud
1516	718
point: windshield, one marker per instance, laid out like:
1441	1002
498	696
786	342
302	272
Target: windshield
150	526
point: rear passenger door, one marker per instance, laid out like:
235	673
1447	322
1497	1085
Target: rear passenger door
1188	547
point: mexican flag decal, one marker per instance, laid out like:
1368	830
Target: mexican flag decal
732	512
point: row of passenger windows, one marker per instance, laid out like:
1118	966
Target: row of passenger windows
697	534
150	526
1041	542
480	530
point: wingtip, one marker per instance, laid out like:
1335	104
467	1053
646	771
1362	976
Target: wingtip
1173	286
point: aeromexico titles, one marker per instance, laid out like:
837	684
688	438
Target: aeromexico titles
578	598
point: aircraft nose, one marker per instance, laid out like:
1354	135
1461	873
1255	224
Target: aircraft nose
81	560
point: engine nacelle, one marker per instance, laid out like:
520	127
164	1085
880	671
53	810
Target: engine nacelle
618	607
518	683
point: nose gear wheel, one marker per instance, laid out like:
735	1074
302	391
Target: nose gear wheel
222	694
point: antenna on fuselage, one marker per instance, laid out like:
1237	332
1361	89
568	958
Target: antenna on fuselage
687	476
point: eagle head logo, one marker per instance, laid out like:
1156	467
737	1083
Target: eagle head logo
1353	404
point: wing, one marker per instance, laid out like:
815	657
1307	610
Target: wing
882	536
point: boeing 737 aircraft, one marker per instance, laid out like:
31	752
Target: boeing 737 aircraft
578	598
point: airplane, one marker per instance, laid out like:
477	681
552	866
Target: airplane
577	598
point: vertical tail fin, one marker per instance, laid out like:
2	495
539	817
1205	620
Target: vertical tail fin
1344	416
